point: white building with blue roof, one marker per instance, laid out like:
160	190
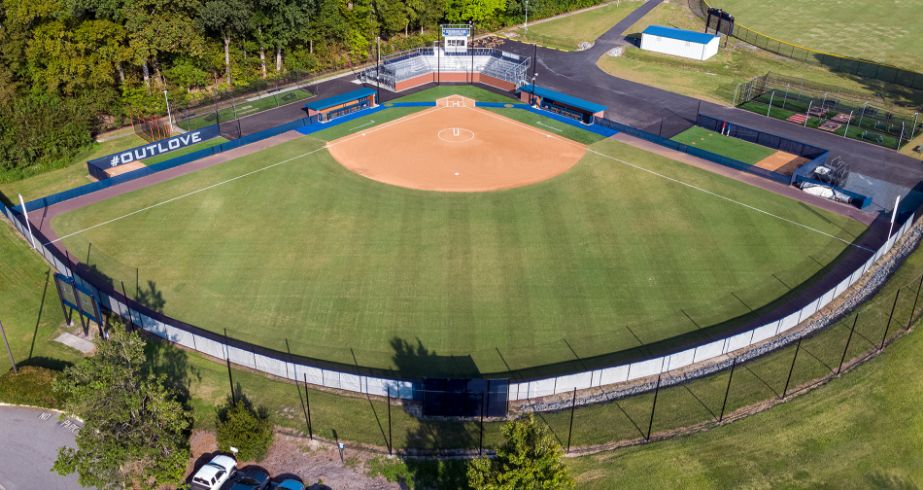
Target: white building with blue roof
680	42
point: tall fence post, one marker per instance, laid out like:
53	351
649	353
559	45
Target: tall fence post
769	109
650	424
848	340
913	309
481	435
307	401
390	434
227	358
570	428
884	336
727	390
792	369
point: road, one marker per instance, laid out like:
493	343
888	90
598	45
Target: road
29	442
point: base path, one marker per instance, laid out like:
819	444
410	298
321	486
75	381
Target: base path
456	147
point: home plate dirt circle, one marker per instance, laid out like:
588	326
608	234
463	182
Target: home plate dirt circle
455	135
456	147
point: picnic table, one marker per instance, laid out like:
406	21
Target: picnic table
842	117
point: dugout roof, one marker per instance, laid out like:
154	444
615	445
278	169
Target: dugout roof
563	98
321	104
679	34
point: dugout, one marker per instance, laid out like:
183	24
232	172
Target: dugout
328	109
562	104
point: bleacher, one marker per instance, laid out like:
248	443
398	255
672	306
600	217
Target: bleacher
492	62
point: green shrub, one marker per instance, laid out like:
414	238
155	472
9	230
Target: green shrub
245	427
31	386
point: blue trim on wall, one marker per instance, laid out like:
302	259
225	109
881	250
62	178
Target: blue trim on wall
410	104
603	127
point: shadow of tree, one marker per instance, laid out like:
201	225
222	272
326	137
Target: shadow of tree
164	359
433	434
151	297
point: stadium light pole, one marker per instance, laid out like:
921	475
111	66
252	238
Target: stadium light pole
169	115
9	351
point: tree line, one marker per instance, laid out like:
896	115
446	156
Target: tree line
71	68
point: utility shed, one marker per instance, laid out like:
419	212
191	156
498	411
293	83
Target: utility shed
679	42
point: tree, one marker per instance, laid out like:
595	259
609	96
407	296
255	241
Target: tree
478	11
228	18
245	427
529	459
135	432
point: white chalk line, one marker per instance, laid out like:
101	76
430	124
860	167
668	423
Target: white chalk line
247	174
728	199
712	193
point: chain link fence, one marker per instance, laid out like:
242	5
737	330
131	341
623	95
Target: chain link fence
829	109
841	64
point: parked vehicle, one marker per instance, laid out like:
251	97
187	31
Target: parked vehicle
289	484
251	478
215	473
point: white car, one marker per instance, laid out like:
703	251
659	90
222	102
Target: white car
215	473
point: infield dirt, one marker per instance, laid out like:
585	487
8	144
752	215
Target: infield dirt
457	147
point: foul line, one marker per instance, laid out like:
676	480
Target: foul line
728	199
706	191
247	174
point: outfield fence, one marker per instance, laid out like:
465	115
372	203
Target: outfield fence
837	63
540	393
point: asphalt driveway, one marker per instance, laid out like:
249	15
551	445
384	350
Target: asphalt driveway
29	442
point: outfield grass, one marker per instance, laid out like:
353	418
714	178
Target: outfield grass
73	175
245	108
717	78
184	151
345	267
859	431
568	31
886	31
738	149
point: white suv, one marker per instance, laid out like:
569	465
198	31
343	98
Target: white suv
215	473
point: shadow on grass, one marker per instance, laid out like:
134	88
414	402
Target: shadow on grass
429	434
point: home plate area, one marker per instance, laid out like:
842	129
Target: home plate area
456	147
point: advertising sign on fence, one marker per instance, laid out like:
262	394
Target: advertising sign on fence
153	149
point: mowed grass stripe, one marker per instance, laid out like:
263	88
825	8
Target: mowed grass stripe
594	261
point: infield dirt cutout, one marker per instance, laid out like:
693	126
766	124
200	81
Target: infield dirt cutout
456	147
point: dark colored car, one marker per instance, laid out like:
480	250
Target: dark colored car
251	478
